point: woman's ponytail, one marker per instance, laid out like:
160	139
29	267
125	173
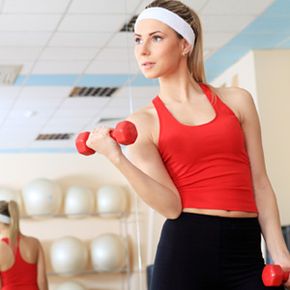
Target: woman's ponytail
14	223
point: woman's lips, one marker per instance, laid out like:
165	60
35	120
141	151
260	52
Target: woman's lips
148	64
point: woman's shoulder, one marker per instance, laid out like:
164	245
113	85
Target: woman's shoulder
145	121
29	240
232	94
143	117
237	99
145	112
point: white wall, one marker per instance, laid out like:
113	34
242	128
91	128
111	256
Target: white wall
241	74
273	90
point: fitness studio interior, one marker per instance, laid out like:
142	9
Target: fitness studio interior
68	66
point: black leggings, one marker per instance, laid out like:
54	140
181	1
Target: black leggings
201	252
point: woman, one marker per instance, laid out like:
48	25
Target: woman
22	262
198	160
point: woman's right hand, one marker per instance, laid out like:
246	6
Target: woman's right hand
101	141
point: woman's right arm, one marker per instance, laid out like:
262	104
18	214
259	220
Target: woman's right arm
42	282
146	173
142	166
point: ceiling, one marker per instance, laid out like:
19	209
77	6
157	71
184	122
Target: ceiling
62	44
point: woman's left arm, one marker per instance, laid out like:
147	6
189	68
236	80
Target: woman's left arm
268	213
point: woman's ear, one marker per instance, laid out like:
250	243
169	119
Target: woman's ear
185	47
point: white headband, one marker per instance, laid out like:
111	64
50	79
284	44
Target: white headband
4	219
169	18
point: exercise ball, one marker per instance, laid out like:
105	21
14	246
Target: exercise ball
70	286
111	201
8	194
108	253
42	197
68	255
79	201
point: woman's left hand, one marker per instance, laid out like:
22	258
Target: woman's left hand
287	284
285	264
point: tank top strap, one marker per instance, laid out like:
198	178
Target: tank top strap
162	111
212	97
206	90
220	107
158	104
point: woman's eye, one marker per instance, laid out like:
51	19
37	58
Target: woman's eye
137	40
157	38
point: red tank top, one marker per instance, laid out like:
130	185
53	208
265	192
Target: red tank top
21	276
208	163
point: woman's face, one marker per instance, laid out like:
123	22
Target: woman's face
158	49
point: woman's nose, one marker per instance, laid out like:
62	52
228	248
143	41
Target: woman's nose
144	48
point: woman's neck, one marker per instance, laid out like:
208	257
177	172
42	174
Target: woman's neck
178	87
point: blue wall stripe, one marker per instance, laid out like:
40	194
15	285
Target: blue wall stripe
270	30
278	7
85	80
46	80
37	150
103	80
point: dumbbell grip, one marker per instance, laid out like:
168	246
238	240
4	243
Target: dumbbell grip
273	275
82	139
125	133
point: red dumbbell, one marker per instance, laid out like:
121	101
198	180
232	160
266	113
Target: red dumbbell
273	275
125	133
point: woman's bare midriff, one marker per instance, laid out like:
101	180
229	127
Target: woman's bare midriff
222	213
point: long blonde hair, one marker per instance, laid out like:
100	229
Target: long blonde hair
10	209
195	62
